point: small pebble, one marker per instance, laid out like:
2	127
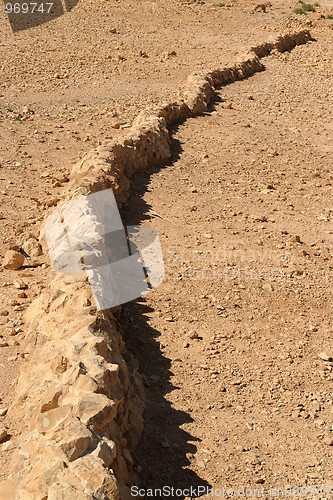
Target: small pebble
325	357
328	440
3	434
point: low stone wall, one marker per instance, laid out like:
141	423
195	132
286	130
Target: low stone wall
79	394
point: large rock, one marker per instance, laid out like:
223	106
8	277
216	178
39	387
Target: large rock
13	260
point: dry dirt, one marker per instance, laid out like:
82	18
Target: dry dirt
229	344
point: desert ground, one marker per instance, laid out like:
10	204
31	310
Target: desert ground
235	346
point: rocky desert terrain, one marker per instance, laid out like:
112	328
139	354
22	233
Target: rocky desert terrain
235	346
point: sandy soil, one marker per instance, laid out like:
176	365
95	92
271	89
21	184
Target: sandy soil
245	227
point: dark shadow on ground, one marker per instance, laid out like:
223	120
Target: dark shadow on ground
162	456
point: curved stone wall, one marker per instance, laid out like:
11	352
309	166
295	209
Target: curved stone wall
80	394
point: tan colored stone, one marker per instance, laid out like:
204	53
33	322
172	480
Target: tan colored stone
13	260
97	410
73	438
325	356
64	491
52	420
59	364
106	451
83	385
42	474
9	489
328	440
3	434
50	400
87	474
63	427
